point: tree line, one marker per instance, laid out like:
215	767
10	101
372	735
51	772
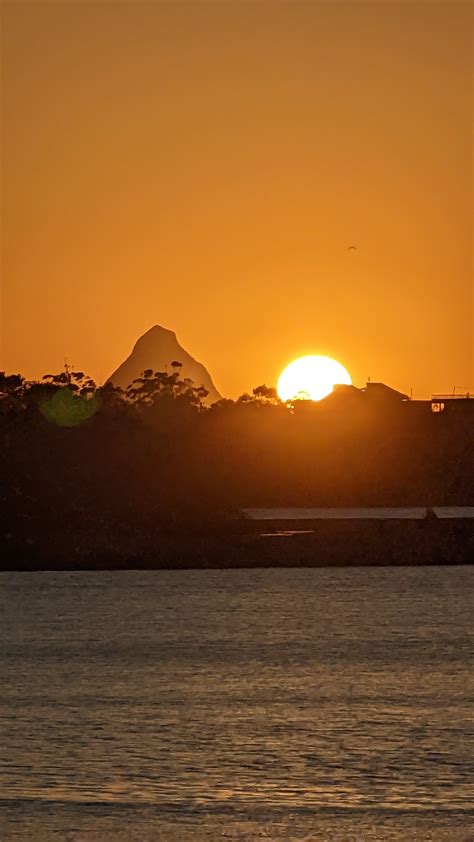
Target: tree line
77	457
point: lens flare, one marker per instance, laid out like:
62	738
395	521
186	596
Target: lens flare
65	409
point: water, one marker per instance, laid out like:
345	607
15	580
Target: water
246	704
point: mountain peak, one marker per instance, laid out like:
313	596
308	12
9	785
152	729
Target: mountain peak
157	349
155	329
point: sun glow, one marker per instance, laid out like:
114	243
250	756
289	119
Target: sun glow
311	378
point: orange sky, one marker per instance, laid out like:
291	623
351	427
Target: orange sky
205	166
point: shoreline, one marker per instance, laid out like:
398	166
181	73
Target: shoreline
249	544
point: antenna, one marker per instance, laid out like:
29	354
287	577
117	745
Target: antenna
67	368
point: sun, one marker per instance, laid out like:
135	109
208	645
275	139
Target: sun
311	378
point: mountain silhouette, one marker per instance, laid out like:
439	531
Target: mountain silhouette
157	349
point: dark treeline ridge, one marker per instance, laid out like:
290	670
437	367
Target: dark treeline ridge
85	468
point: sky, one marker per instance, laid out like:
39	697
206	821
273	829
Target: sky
206	165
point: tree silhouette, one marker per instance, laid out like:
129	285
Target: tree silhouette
94	462
266	394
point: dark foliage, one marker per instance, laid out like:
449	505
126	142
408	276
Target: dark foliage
78	461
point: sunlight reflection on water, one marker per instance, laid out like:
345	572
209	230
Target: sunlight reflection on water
238	704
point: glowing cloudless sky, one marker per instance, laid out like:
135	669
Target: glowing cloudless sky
206	166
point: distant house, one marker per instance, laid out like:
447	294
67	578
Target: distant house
378	398
384	394
461	404
367	513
